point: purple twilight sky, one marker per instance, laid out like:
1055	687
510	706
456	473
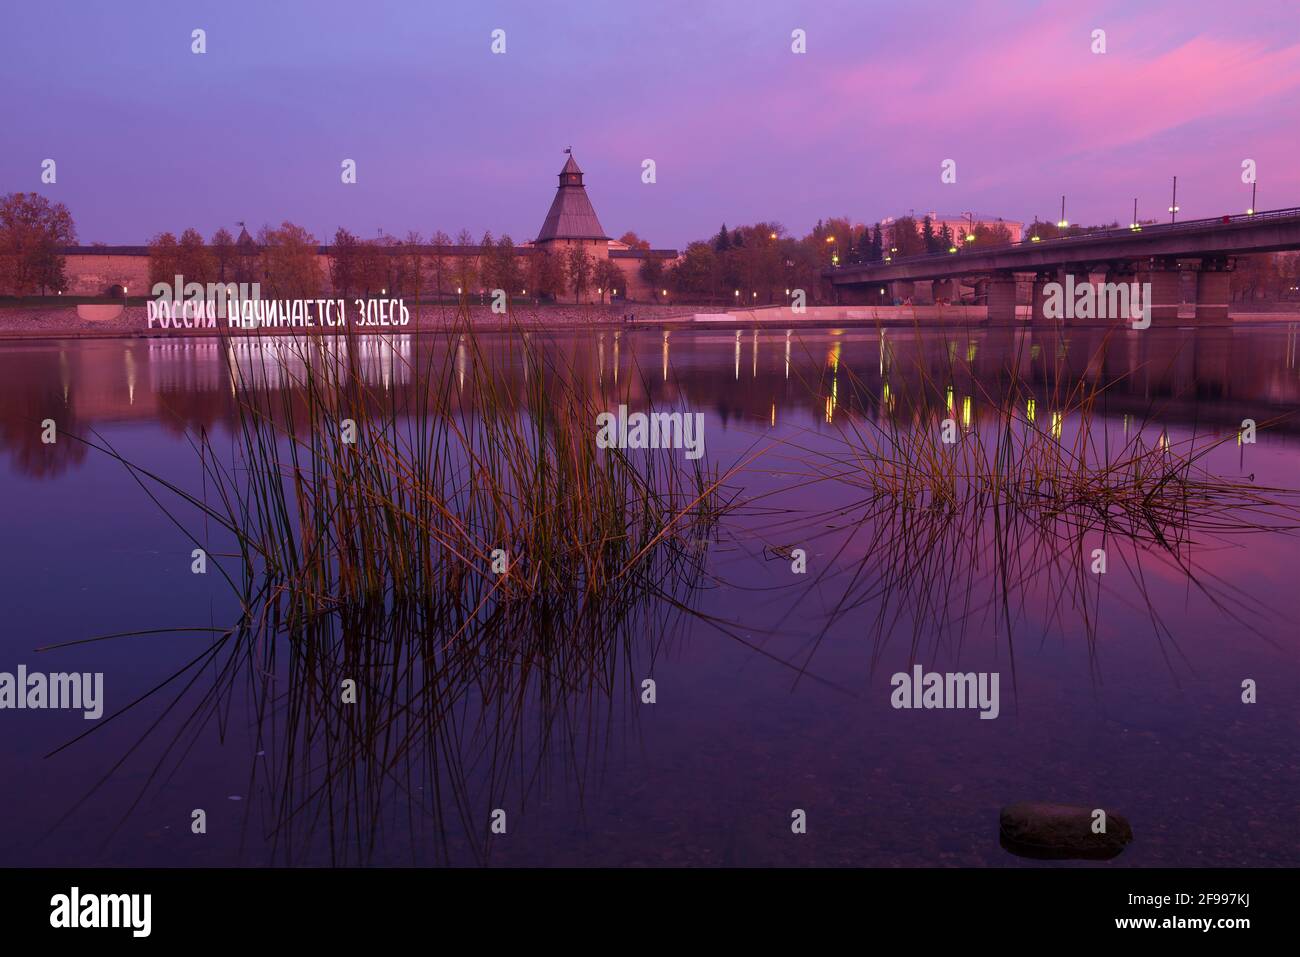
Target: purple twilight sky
446	135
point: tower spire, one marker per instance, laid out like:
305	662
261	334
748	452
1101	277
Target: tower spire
571	215
571	175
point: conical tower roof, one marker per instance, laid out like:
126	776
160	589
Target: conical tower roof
571	215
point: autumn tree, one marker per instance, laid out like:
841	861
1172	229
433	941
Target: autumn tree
802	262
580	267
408	275
652	271
487	263
164	260
693	276
467	263
289	261
506	267
33	232
904	239
608	278
222	245
633	241
194	260
995	234
546	274
439	268
344	259
372	267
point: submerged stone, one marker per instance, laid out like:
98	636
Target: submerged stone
1061	832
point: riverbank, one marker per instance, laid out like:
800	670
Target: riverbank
98	321
71	322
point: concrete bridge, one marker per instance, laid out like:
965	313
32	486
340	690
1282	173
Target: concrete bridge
1155	254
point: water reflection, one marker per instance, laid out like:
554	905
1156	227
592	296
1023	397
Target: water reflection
444	735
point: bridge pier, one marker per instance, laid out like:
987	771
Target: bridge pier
1213	291
1165	277
1037	299
1123	272
901	289
949	289
856	295
1001	299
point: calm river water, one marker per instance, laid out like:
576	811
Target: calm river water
1121	690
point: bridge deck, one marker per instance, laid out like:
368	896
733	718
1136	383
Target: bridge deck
1266	231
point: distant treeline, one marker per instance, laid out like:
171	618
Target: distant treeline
284	260
754	264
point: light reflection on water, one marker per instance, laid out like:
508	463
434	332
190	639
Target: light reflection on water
1126	690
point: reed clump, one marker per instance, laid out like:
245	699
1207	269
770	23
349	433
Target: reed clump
1044	445
462	495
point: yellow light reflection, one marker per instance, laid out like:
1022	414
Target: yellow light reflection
130	376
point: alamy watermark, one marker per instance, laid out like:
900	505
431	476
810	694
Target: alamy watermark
198	302
933	689
75	909
651	430
59	691
1129	301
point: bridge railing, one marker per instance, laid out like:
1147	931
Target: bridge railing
1105	234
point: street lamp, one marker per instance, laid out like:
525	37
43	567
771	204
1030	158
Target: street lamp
1251	211
1173	203
1135	225
1063	223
